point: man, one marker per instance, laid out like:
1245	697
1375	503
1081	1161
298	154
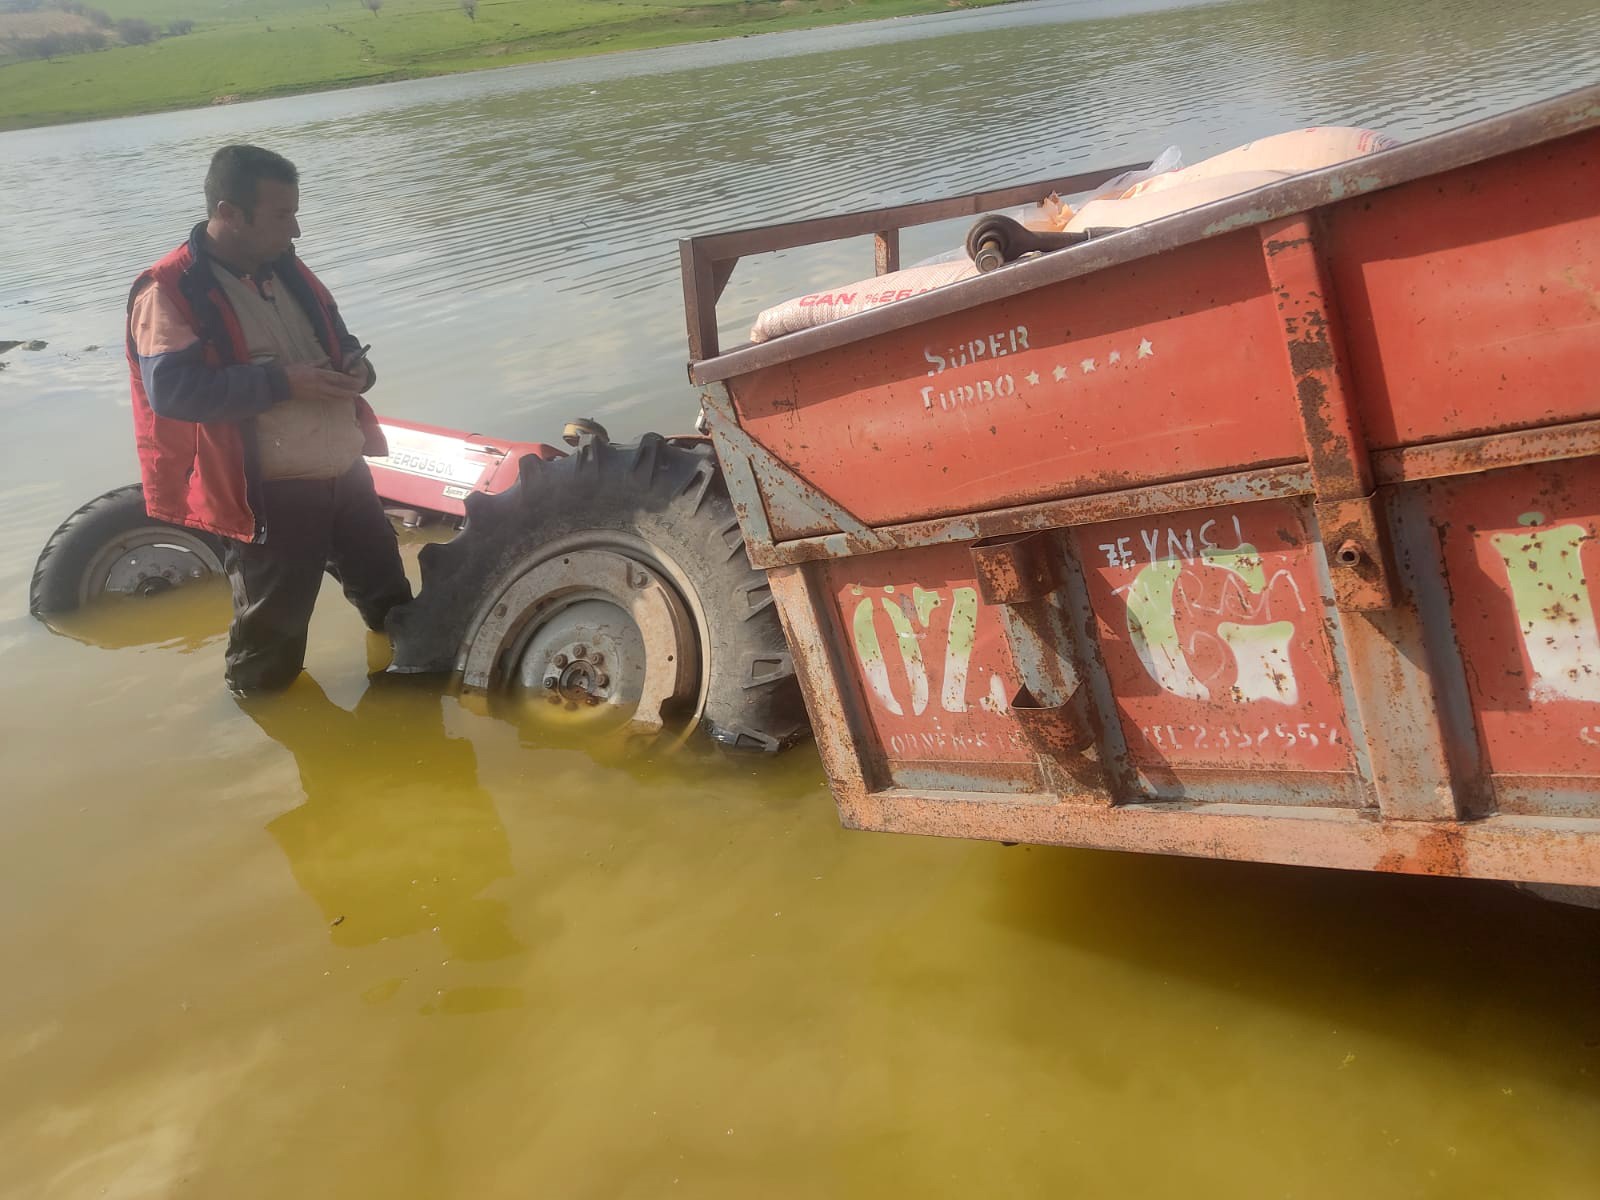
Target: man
250	426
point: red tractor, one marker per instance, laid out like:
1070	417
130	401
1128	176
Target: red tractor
603	574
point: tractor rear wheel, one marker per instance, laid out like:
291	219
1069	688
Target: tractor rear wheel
612	582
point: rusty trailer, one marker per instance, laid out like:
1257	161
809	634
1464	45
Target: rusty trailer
1269	530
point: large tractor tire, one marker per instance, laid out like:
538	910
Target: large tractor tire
613	577
111	546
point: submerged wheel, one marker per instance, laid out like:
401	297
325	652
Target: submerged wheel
112	546
613	581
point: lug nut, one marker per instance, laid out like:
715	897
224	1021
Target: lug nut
580	650
602	680
559	660
598	659
550	682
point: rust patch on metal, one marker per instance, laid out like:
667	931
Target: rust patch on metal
1360	559
1439	850
1016	568
1277	246
1311	352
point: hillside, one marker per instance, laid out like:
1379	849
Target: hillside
189	53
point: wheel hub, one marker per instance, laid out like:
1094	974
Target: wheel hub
589	628
148	563
587	653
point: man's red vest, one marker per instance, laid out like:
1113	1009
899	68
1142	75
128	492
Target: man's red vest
204	474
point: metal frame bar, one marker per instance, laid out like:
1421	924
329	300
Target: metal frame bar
1544	850
818	652
708	261
1355	544
1407	464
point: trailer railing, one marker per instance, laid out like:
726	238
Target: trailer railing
708	261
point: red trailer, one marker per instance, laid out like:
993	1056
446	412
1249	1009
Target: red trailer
1262	531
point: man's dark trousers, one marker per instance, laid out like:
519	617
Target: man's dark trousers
337	525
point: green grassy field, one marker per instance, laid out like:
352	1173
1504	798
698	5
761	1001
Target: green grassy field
241	50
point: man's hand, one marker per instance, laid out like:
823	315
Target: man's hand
361	372
320	384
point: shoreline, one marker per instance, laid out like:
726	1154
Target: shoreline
583	42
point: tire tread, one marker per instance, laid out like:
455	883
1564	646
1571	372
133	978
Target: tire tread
666	492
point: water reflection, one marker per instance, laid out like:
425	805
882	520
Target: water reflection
395	836
1469	971
183	621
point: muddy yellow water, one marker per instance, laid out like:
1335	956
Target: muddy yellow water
365	940
380	940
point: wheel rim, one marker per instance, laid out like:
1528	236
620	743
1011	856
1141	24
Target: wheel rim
147	561
597	632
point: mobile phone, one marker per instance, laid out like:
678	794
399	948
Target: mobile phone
360	356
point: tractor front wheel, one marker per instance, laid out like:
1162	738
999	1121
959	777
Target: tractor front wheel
111	546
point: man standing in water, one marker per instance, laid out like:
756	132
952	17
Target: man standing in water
250	422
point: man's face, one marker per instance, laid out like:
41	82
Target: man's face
271	229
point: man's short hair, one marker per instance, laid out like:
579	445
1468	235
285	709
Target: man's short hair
235	172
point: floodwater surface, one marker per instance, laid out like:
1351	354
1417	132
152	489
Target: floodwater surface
371	939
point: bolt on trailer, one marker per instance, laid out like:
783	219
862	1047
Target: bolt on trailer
1266	530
